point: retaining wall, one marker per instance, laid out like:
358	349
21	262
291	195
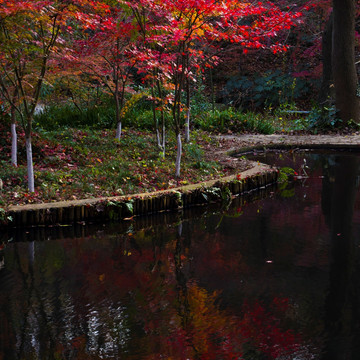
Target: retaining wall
122	207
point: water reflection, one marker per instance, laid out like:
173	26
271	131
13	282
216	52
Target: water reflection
342	318
276	278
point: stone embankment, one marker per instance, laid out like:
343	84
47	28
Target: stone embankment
122	207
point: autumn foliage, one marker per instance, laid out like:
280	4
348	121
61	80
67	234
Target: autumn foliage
164	45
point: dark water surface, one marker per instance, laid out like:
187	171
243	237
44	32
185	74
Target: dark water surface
275	278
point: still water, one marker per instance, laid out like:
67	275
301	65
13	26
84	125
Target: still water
277	277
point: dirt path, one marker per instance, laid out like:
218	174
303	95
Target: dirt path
228	144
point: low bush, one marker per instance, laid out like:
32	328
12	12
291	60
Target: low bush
56	117
231	120
260	91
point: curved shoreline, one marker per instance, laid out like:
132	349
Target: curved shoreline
122	207
233	144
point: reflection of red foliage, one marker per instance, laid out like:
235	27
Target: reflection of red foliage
263	329
208	333
178	322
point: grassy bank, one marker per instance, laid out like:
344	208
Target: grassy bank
76	164
75	158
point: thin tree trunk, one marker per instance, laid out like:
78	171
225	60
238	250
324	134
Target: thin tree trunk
343	58
13	130
326	94
116	96
118	119
155	119
163	137
188	111
13	144
187	125
212	91
162	134
30	167
156	127
178	155
176	111
118	130
158	141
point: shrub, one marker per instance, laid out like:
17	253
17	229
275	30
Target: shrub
231	120
67	115
272	88
322	119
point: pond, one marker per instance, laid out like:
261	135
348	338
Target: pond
265	277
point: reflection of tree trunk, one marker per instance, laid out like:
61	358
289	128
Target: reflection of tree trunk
8	334
34	310
341	315
28	287
184	308
157	245
263	231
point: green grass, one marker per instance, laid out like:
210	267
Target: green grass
140	116
235	121
74	164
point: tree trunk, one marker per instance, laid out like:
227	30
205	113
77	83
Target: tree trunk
178	155
30	167
13	144
155	120
326	95
188	111
161	135
118	131
163	138
212	91
13	130
187	125
118	119
343	59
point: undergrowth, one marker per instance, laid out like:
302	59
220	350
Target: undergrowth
76	154
73	164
